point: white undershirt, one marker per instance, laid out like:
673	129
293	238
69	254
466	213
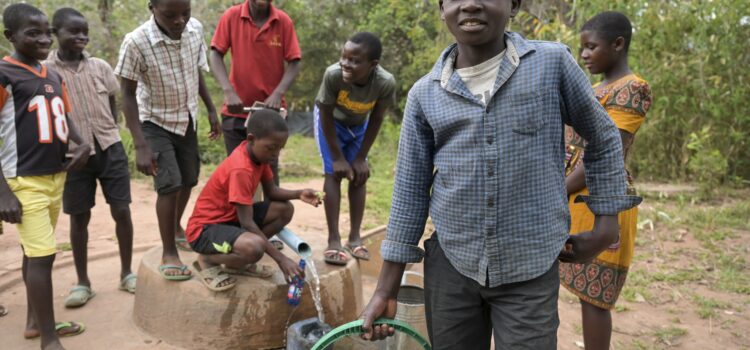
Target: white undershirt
480	79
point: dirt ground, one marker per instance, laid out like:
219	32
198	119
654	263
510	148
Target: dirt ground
659	314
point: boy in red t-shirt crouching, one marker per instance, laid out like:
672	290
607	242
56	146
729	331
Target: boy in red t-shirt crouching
227	227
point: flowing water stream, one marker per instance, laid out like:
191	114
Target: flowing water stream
315	290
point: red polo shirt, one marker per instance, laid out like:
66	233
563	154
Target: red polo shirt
258	54
233	182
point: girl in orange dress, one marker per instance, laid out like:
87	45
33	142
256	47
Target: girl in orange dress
605	40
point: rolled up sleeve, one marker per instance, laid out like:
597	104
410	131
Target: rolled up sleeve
411	192
603	159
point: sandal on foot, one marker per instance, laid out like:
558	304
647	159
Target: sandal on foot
128	283
276	243
182	244
212	277
251	270
181	277
3	311
358	251
63	329
336	257
79	296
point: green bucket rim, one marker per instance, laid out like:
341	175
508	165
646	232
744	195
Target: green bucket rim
355	328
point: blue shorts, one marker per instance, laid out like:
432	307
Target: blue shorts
349	138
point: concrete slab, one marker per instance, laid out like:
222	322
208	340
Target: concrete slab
253	315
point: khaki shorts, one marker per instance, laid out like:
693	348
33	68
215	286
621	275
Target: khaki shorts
41	200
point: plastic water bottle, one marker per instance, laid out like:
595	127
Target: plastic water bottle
294	295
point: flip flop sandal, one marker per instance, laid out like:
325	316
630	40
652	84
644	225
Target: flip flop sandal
251	270
60	326
181	277
212	277
182	244
335	257
3	311
79	296
358	251
128	283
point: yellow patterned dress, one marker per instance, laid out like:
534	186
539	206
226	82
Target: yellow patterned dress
600	282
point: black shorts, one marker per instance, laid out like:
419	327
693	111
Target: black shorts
177	158
110	167
219	238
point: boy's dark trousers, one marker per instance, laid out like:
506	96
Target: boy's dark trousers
462	314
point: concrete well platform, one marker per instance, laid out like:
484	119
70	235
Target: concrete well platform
253	315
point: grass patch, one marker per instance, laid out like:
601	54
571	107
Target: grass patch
300	160
621	308
707	306
670	335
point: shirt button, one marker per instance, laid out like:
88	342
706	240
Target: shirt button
489	140
490	202
491	173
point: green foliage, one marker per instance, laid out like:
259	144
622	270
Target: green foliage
693	53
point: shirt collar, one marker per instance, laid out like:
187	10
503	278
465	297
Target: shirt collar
155	35
55	58
245	12
516	47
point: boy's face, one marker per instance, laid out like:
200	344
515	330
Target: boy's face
478	22
260	5
355	63
597	54
172	16
266	149
73	35
33	39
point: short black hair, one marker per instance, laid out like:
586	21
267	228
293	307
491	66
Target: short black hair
371	42
264	122
610	25
63	14
14	16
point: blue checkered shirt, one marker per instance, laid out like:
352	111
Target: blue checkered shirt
492	176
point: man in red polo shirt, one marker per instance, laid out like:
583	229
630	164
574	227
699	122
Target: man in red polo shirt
261	39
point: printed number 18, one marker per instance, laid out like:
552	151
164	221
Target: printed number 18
43	107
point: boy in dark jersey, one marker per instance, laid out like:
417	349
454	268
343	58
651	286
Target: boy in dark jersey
34	132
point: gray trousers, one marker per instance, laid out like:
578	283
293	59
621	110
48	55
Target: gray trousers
462	314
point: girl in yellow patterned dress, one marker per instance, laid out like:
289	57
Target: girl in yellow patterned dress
605	40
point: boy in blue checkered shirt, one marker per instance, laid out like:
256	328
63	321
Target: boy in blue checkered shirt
481	152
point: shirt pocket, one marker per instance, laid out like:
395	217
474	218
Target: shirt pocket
526	113
100	87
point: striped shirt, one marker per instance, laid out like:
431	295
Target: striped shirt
491	176
90	85
167	72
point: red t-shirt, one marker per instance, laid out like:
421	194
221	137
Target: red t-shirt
258	54
233	182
